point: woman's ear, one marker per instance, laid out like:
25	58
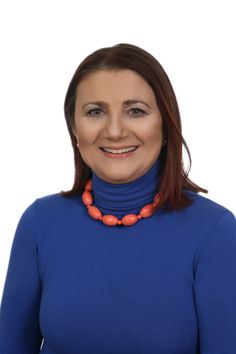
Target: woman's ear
73	130
75	135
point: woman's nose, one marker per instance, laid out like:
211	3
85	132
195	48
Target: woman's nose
115	127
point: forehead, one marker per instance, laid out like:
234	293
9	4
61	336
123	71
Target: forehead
105	84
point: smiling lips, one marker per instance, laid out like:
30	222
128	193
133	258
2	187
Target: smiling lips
119	150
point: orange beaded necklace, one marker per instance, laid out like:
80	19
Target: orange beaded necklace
111	220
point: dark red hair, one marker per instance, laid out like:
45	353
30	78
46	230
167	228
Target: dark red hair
173	179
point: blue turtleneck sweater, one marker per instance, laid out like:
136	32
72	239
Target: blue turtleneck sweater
166	285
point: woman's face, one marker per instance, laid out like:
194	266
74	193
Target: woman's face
117	111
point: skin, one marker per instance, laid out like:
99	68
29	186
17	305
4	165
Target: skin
114	124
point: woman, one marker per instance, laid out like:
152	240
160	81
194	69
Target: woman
132	259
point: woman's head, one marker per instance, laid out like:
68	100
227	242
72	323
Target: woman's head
116	111
114	75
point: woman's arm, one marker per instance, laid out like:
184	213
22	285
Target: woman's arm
19	312
215	288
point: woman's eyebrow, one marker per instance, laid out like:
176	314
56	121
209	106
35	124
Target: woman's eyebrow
125	103
129	102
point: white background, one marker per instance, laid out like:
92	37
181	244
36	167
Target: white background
42	43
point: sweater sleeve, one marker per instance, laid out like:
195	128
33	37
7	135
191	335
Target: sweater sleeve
19	311
215	288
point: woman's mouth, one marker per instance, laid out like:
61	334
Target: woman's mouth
119	153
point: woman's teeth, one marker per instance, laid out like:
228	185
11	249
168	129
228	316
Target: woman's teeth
120	151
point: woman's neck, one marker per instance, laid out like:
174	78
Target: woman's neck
125	198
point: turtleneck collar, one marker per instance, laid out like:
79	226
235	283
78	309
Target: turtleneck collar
125	198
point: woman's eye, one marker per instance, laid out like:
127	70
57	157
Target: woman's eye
137	112
95	112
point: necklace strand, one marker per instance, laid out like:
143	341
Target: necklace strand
111	220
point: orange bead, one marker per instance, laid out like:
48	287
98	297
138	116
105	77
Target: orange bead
129	219
147	211
88	185
110	220
95	212
87	198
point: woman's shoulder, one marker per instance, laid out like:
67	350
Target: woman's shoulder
57	200
204	201
205	208
53	206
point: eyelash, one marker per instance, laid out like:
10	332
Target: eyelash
99	109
